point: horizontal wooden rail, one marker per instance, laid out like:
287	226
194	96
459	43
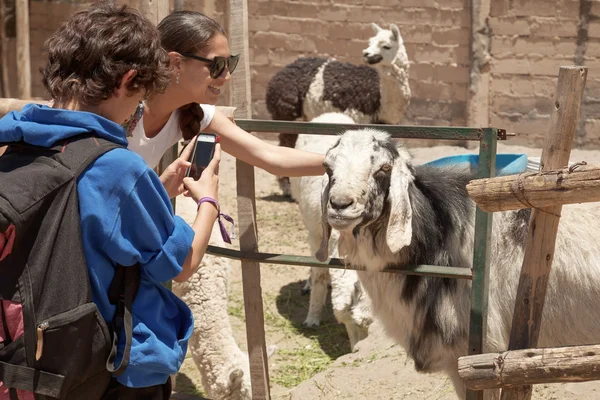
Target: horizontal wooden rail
576	184
282	259
405	132
530	366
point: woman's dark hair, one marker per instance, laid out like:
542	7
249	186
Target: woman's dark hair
188	32
91	52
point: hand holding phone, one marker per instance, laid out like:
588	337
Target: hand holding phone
202	154
208	184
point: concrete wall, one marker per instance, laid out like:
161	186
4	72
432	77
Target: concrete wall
529	41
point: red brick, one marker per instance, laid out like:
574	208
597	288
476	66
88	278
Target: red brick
432	53
333	13
349	30
511	66
282	58
449	74
527	127
364	14
501	85
460	91
304	26
541	8
549	66
509	26
451	36
594	29
552	27
522	105
499	8
545	86
421	71
595	8
259	56
416	33
431	90
258	23
276	40
568	8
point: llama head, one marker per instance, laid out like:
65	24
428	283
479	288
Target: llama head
384	45
367	176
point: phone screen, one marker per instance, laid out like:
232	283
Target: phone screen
201	155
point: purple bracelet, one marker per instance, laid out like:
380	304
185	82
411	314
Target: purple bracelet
224	233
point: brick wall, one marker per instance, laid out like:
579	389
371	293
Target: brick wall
436	35
530	40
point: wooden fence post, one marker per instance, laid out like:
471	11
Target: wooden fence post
23	56
237	23
543	224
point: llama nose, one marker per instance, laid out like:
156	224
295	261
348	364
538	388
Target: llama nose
340	202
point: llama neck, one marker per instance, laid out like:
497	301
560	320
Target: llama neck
395	88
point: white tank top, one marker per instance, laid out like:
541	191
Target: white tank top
152	149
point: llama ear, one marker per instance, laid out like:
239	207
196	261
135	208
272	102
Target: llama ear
399	229
376	28
322	253
395	31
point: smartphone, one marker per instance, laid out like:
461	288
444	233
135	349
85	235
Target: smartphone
202	153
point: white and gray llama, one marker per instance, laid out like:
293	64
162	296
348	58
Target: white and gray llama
311	86
390	213
351	305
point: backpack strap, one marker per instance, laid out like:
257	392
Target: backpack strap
77	153
122	292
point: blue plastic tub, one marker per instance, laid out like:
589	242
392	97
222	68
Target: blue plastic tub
506	164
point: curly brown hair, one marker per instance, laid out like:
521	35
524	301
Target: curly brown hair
188	32
92	51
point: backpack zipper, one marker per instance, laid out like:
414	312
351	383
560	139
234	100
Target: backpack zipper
40	339
60	320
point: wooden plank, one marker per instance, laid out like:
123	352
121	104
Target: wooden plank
481	256
253	304
23	53
478	104
396	131
531	366
237	23
543	224
283	259
238	42
580	184
5	86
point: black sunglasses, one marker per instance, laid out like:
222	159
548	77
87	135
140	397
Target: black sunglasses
217	64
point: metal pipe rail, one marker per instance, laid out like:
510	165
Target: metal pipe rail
396	131
283	259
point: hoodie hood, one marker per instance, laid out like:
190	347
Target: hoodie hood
44	126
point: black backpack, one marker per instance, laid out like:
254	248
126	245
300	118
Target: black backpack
53	340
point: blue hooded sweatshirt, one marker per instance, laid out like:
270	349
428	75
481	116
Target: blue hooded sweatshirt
126	217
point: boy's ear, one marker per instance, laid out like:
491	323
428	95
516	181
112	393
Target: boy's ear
123	87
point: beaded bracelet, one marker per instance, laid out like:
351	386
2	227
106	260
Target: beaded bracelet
224	233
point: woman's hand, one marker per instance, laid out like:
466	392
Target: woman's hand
208	184
172	177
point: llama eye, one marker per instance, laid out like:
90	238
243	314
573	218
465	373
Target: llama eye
386	47
386	168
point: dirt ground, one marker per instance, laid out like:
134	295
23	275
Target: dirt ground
316	363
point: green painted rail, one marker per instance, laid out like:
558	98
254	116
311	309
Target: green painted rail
282	259
396	131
